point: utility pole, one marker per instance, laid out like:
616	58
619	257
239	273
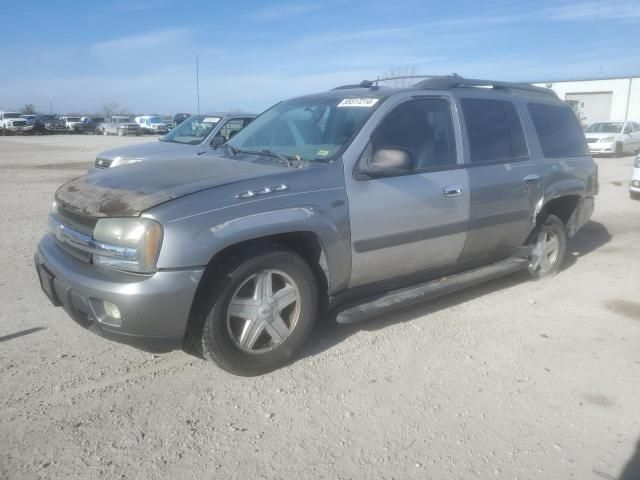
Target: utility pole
198	83
626	113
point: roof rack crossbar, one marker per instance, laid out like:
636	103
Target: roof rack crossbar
447	82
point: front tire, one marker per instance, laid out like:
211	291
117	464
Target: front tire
260	311
619	149
549	248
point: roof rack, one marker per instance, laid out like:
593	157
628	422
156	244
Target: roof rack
447	82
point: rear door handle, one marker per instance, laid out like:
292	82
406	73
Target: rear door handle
453	190
531	179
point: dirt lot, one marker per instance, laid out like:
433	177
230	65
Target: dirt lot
512	379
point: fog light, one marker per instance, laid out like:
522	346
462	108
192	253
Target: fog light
111	310
635	183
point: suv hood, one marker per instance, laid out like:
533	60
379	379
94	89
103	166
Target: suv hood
145	150
130	190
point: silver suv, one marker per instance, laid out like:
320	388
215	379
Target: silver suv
354	201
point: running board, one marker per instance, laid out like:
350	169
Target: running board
426	291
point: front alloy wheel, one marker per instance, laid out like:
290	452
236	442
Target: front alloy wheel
258	308
264	311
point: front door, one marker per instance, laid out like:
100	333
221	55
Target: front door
406	224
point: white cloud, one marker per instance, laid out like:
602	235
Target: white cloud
143	41
595	10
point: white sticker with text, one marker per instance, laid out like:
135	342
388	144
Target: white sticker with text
211	120
358	102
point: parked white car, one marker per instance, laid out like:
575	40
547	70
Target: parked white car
73	124
152	124
13	122
615	138
634	187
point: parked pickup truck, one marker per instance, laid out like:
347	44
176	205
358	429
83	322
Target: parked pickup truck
355	201
12	122
152	124
196	135
120	125
74	124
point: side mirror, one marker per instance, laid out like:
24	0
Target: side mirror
217	141
388	162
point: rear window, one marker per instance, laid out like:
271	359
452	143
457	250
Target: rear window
494	130
558	131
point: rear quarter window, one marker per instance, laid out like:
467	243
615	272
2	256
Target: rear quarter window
558	131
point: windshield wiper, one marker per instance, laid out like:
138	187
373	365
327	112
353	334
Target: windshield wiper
283	159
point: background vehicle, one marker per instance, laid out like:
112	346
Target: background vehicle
195	136
615	138
29	118
634	187
44	123
74	124
178	118
152	124
356	200
120	125
12	122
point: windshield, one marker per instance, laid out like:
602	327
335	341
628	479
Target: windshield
120	119
73	119
12	115
155	120
192	130
605	127
312	129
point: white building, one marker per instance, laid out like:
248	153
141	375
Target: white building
602	99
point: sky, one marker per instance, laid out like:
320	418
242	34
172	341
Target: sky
75	56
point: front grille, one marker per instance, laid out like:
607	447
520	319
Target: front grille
592	140
76	220
19	123
103	163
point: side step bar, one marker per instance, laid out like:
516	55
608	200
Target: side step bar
425	291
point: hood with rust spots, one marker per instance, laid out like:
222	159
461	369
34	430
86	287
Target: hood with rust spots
129	190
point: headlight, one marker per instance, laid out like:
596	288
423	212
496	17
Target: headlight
606	139
130	244
636	162
119	161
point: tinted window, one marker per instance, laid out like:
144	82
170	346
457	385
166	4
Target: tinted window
558	130
494	130
424	127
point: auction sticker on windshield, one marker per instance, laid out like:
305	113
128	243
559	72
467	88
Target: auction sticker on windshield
358	102
211	120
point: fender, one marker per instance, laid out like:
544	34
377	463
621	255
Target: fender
207	239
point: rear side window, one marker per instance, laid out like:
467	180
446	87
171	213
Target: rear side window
494	130
558	130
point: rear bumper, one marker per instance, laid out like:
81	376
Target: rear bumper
154	308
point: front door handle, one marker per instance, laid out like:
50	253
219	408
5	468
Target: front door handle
453	190
531	179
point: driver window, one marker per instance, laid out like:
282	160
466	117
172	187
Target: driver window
423	127
627	128
228	130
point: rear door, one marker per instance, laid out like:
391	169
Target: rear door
505	182
405	224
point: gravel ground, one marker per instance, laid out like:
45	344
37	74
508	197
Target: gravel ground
511	379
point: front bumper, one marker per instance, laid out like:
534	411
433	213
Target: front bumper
604	147
154	308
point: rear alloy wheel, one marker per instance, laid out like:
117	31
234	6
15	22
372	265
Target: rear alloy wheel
105	132
549	247
264	307
120	132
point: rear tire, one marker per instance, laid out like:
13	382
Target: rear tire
549	248
260	310
619	150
